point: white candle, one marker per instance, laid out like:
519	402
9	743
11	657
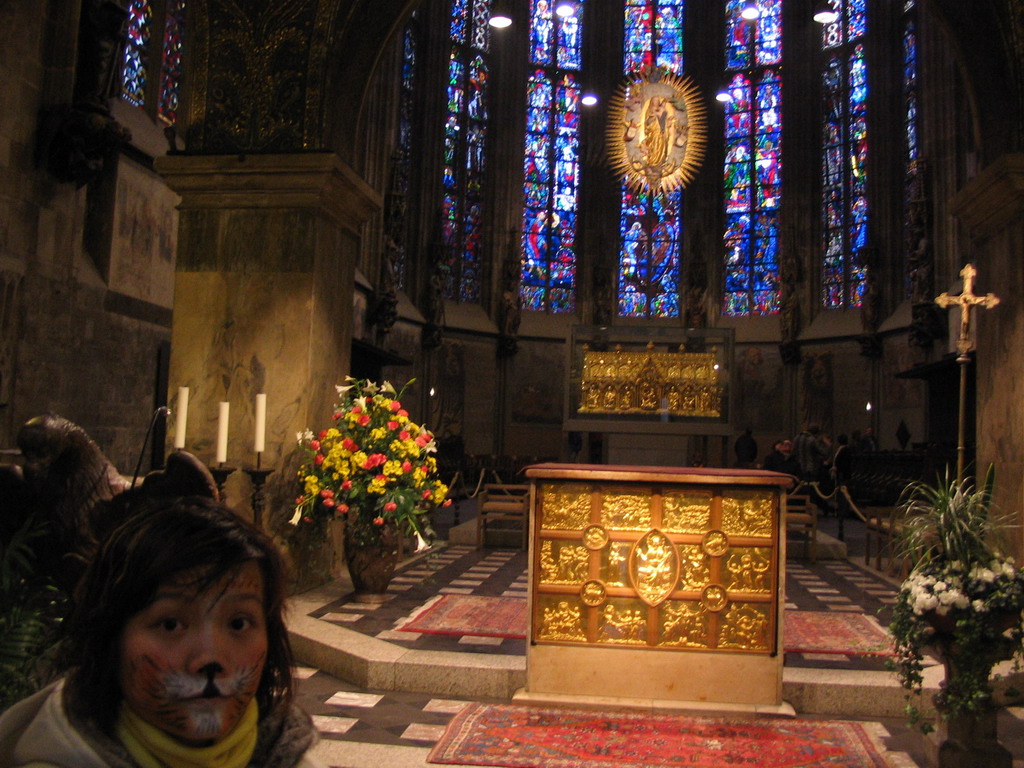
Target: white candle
222	434
261	423
181	418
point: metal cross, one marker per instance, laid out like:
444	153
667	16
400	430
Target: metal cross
967	301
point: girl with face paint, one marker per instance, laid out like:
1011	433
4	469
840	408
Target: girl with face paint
178	651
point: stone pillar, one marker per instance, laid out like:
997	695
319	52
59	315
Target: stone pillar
267	248
991	209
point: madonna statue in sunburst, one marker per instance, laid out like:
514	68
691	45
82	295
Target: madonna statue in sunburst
657	130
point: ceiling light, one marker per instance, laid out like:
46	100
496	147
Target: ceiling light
750	10
565	8
723	96
501	17
589	98
824	13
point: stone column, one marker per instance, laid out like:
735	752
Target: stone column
267	249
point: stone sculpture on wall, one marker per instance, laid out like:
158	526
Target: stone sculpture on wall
511	305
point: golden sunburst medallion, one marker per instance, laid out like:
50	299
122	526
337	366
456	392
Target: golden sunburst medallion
657	130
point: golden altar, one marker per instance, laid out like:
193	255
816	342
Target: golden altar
656	583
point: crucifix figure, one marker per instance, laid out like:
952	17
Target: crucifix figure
967	301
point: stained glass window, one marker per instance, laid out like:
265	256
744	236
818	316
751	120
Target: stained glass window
913	194
551	161
650	225
170	71
405	113
752	173
844	157
465	133
136	57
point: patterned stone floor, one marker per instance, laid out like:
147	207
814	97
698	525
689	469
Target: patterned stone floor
379	729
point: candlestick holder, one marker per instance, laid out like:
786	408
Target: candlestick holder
220	475
258	477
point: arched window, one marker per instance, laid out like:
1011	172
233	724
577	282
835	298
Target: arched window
465	132
753	160
844	157
400	184
551	160
650	225
140	49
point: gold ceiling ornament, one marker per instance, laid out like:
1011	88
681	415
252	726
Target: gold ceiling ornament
657	130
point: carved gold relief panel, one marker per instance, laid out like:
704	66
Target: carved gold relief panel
559	618
748	513
745	625
684	623
565	507
563	562
686	512
615	564
623	622
749	569
674	569
623	510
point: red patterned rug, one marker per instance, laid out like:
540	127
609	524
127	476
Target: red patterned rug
513	736
470	615
835	632
805	631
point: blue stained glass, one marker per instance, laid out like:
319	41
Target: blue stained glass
457	30
465	138
136	58
551	162
752	170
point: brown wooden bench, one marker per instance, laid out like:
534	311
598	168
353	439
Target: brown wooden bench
502	501
802	517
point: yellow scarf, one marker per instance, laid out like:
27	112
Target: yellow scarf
152	748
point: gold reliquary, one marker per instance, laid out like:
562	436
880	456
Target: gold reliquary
645	381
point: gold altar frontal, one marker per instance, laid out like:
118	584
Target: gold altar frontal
656	583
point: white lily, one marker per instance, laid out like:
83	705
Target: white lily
296	517
388	388
421	543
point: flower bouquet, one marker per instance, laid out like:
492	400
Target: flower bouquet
963	596
372	467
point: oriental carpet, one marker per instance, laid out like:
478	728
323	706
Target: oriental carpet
511	736
805	631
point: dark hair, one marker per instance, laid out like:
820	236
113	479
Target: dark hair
165	538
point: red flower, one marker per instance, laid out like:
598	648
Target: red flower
390	506
392	425
378	521
427	494
346	485
404	414
300	499
328	502
342	509
422	440
319	459
396	406
337	415
327	493
403	435
323	434
447	503
381	478
307	519
363	420
350	445
406	467
356	409
314	445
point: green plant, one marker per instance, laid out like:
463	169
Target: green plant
963	595
372	465
31	610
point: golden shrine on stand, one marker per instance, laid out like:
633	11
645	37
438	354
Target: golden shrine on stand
656	583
